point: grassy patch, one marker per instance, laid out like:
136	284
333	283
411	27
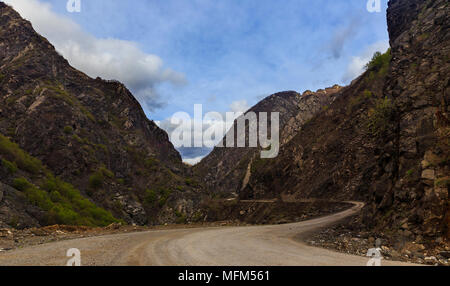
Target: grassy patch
13	153
62	203
11	167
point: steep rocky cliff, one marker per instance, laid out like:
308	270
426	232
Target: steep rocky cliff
413	200
226	170
90	132
384	139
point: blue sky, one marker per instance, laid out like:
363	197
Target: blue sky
234	50
217	52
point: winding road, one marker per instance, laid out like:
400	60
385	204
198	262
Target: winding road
275	245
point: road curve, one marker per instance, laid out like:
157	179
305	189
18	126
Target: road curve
274	245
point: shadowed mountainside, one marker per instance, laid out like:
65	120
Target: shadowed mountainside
90	132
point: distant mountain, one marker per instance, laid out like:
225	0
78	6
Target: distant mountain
90	132
225	170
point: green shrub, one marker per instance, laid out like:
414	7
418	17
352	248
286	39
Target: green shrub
163	196
2	76
106	172
410	172
56	197
24	161
181	218
150	197
21	184
96	180
191	182
380	62
68	130
367	94
380	117
11	167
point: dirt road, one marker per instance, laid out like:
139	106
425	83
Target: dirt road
277	245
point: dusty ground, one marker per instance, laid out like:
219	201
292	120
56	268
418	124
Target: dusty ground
251	245
219	213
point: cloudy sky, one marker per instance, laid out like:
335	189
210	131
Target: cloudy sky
224	54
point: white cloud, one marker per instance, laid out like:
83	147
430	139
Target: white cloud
239	106
357	64
212	123
193	161
107	58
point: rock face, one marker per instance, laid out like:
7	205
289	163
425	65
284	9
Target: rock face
90	132
417	150
382	140
227	170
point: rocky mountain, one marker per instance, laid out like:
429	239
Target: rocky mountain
90	132
226	170
382	140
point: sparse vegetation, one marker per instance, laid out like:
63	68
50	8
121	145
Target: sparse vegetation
181	218
57	91
21	184
443	182
164	196
150	197
106	172
191	182
356	101
151	164
380	117
10	167
13	153
68	130
380	62
63	203
96	180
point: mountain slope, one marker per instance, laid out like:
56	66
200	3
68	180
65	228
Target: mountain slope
226	170
384	140
90	132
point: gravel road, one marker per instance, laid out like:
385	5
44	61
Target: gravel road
277	245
